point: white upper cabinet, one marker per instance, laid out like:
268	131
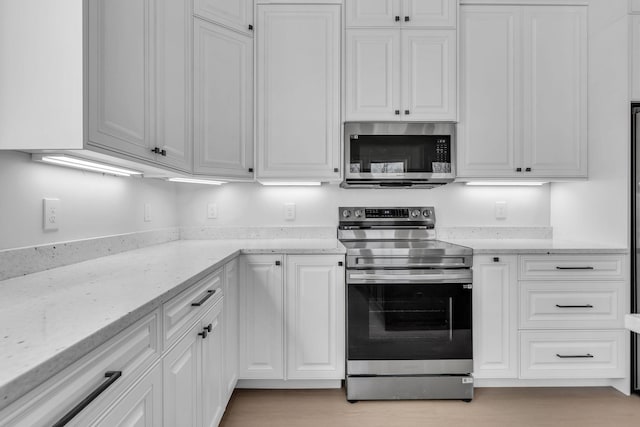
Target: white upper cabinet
139	80
298	91
234	14
373	74
405	75
120	70
523	92
223	101
405	13
401	60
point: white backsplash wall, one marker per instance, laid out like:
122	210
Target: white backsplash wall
456	205
598	209
92	204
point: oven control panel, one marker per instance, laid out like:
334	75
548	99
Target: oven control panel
363	215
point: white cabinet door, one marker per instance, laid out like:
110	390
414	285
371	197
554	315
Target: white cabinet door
235	14
429	78
555	91
523	92
261	317
429	13
373	75
181	371
231	330
140	407
298	92
120	76
490	99
495	316
173	84
223	99
635	58
315	317
211	401
373	13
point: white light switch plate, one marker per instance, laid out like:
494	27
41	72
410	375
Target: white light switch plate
501	210
289	211
212	211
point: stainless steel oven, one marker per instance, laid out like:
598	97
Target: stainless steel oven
409	310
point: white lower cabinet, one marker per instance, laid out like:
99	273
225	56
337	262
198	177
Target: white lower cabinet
292	324
193	374
231	329
551	317
495	316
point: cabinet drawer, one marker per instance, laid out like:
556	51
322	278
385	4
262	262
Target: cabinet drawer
180	312
130	353
572	267
563	305
573	354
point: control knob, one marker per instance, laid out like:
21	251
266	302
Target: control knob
426	213
415	213
346	213
358	213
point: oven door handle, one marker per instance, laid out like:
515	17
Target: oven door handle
403	278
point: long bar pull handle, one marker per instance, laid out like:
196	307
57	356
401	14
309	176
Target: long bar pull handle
113	377
574	306
209	294
574	268
575	356
450	319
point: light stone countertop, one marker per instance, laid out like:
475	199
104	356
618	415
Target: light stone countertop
50	319
536	246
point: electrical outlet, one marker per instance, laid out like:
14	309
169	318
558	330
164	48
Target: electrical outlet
289	211
501	210
147	212
212	211
51	214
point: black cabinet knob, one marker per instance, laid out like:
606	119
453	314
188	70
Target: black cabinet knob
163	153
340	263
407	112
251	170
250	27
527	170
406	19
496	259
208	327
336	170
203	334
397	112
277	262
518	169
397	19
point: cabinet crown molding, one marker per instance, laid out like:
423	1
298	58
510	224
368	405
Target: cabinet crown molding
526	3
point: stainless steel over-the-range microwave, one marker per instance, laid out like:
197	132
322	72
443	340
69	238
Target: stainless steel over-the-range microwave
393	154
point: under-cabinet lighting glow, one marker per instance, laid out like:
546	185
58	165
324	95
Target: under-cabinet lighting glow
77	163
196	181
291	183
506	183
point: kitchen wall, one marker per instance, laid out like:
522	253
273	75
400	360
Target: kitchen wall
92	205
456	204
598	209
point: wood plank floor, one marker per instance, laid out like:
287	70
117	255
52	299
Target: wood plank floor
493	407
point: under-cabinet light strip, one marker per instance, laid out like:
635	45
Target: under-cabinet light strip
73	162
196	181
506	183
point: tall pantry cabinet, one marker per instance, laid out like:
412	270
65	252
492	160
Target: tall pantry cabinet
298	51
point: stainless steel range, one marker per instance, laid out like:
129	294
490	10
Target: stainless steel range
408	307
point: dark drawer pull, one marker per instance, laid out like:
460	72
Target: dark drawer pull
496	259
573	268
113	377
203	300
574	306
575	356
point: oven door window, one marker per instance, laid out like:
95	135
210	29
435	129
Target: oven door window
409	322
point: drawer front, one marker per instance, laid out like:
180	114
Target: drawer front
130	353
180	312
572	267
566	305
573	354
